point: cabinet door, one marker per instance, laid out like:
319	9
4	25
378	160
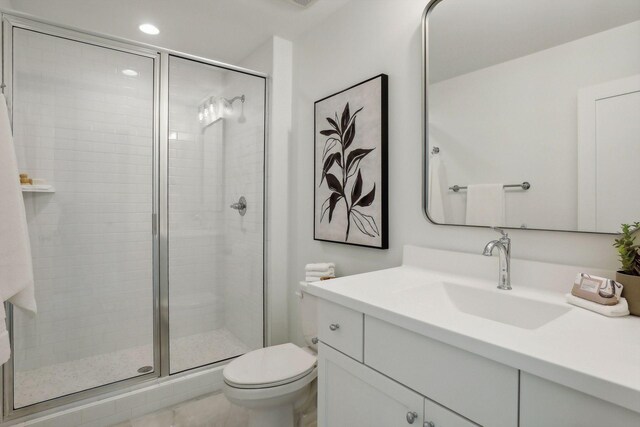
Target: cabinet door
352	395
544	403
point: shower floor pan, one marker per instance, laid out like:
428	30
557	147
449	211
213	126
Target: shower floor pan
39	385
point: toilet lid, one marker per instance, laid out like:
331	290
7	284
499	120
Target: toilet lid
270	366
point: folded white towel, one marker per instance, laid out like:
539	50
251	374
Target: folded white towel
618	310
485	205
327	273
321	266
16	268
311	279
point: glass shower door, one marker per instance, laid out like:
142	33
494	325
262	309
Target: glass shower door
216	151
83	121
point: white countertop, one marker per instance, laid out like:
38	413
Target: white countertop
583	350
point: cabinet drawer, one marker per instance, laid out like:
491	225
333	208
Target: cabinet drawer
479	389
439	416
341	328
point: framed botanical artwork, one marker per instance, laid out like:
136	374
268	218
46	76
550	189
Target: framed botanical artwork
350	165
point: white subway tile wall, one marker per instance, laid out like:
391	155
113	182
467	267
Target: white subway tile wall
215	255
87	129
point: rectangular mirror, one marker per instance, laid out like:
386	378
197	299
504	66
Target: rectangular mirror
532	113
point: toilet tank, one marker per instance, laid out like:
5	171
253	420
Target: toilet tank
307	314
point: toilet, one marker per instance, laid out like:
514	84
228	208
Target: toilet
273	382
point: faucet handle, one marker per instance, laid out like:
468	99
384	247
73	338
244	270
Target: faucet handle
501	231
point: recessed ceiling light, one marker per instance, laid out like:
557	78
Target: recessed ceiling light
149	29
130	72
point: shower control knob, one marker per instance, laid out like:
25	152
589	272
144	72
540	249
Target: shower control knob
411	417
334	326
314	340
240	206
429	424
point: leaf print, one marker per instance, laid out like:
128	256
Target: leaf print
367	222
346	116
333	158
335	198
334	124
368	199
356	191
328	146
353	116
343	132
333	183
349	135
355	155
329	132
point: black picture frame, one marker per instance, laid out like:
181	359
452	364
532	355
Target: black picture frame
351	207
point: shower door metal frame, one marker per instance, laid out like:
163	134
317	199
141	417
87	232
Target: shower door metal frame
9	23
10	20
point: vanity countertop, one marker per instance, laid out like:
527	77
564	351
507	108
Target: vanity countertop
580	349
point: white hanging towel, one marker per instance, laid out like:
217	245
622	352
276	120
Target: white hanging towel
436	202
16	270
485	205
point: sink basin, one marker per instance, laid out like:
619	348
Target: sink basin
500	306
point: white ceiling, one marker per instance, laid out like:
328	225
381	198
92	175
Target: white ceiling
225	30
467	35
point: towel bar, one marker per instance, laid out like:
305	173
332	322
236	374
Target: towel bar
525	186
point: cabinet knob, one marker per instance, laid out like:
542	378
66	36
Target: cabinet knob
428	424
411	417
334	326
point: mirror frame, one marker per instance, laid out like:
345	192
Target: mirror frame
425	137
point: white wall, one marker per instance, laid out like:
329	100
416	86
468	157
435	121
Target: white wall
361	40
517	121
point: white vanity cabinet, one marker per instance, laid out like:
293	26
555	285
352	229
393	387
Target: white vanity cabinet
545	403
352	395
374	373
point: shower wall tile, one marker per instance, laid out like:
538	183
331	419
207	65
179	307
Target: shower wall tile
244	176
195	230
86	128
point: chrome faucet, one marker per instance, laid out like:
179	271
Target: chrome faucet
504	249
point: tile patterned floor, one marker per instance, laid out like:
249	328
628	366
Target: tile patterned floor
45	383
209	411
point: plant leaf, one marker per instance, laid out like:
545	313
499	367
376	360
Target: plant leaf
349	135
353	116
328	146
334	199
329	132
365	223
334	184
334	124
333	158
368	199
357	154
356	191
346	116
324	208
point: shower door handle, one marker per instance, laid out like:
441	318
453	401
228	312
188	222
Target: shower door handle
240	206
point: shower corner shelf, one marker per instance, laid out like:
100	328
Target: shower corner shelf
38	189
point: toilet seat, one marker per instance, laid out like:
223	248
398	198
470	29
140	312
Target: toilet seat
269	367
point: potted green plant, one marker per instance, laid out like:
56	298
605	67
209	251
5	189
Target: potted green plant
629	274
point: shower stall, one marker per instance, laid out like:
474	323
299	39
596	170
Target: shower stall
146	217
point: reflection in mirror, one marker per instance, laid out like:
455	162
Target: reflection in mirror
533	110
